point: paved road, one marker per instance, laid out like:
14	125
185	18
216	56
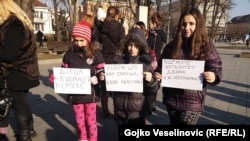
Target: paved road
227	103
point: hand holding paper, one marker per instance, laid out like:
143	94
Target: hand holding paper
209	76
94	80
148	76
51	78
157	76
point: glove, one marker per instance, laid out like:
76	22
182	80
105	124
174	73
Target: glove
64	65
51	78
93	80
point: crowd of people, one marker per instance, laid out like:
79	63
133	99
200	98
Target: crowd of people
100	40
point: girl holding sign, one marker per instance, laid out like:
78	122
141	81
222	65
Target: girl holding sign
132	107
85	55
184	106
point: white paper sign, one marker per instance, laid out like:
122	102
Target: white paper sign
183	74
72	81
124	77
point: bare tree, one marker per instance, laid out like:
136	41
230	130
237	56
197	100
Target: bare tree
27	6
58	38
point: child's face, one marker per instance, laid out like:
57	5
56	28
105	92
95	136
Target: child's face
132	50
80	42
188	26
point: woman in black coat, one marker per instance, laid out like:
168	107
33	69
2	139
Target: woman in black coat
110	34
18	56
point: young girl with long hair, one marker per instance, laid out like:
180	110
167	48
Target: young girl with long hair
191	42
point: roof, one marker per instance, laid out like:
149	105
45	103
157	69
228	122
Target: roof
241	19
39	4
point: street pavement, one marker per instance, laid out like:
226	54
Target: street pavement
226	104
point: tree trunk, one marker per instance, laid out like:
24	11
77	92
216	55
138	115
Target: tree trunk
28	7
56	21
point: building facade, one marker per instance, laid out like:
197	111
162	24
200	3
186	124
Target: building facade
43	18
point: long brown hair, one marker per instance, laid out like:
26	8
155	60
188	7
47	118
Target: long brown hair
91	48
156	18
198	41
112	12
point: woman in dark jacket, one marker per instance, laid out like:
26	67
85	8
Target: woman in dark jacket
156	39
111	32
18	56
157	36
184	106
132	107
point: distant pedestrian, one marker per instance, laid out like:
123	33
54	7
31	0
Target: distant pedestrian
191	42
247	42
40	38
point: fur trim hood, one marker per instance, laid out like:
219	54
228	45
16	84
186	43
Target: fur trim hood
26	62
137	37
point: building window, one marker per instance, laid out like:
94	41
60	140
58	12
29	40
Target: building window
41	15
39	26
36	14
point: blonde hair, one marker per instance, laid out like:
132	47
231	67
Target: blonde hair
8	8
89	18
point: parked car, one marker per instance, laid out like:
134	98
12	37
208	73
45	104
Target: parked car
237	41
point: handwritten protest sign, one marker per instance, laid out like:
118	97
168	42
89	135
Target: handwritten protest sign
124	77
72	81
184	74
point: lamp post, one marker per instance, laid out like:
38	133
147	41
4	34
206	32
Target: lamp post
169	18
168	32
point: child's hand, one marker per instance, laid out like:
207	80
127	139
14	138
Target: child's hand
209	76
102	76
93	80
148	76
51	78
157	76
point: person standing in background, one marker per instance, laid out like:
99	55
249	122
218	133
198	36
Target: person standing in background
18	56
40	38
91	19
156	39
111	33
157	36
191	42
142	26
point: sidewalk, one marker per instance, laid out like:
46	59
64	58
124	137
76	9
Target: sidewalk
227	103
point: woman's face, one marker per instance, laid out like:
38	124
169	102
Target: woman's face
132	50
188	26
151	24
80	42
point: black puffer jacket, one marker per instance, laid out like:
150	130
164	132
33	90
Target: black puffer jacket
132	105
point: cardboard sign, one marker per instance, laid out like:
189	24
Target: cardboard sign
72	81
124	77
183	74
